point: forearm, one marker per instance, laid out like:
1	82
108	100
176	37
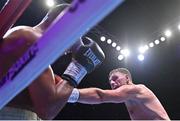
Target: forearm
90	96
97	96
49	94
63	91
48	104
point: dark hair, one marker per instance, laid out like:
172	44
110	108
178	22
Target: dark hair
55	11
121	70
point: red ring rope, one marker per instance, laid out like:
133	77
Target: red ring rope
10	13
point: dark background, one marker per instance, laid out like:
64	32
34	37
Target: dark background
133	23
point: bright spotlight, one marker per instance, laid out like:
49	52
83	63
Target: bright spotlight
157	42
125	52
142	49
179	26
168	33
118	48
146	47
114	44
103	38
141	57
151	44
162	39
109	41
50	3
120	57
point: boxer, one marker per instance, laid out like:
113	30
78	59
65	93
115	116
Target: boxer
141	102
47	95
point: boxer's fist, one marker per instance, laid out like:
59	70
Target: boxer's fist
86	57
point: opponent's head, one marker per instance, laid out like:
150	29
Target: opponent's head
54	12
119	77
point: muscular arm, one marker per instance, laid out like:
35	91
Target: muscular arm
97	96
49	98
49	93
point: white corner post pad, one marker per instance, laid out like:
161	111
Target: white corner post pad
74	96
63	33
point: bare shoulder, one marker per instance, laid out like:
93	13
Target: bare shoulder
145	92
130	89
15	42
143	88
19	32
139	89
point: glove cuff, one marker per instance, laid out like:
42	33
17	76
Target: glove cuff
75	72
74	96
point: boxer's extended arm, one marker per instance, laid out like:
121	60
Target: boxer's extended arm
97	96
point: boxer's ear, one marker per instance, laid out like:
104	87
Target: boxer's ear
127	77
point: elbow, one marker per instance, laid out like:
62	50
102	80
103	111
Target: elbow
165	117
46	114
100	96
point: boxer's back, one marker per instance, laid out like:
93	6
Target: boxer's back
14	44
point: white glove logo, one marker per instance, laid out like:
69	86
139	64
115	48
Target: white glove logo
89	53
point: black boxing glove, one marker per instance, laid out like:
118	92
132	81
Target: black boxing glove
74	47
86	57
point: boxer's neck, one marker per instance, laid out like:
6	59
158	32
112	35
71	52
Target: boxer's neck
42	27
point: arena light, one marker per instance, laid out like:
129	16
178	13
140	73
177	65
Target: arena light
142	49
118	48
103	38
168	33
157	42
146	47
125	52
120	57
109	41
114	44
151	44
50	3
179	26
140	57
162	39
